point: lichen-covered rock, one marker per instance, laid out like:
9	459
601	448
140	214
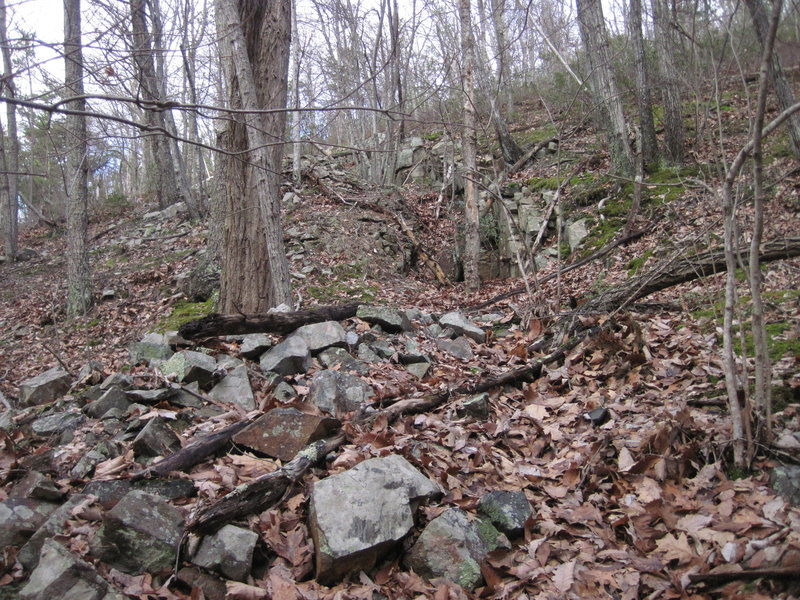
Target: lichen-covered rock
785	480
139	535
451	546
156	439
339	393
113	397
57	423
38	486
28	555
189	366
152	349
45	387
254	345
380	496
507	510
20	518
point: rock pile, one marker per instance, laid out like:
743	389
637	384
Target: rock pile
317	378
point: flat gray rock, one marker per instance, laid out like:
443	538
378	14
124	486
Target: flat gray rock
45	387
462	326
254	345
458	348
380	496
20	518
287	358
57	423
28	555
113	397
321	336
37	486
389	319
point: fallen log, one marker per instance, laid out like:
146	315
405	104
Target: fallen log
261	493
682	269
193	454
216	324
792	572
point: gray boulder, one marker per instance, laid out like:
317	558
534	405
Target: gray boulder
576	233
339	393
189	366
57	423
113	397
508	511
37	486
254	345
389	319
287	358
45	387
140	534
152	349
458	348
419	369
235	388
63	575
451	546
20	518
462	326
380	496
340	357
320	336
785	480
28	555
228	551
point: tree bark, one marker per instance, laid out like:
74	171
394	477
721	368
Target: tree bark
644	100
10	145
79	286
472	242
255	46
666	46
609	116
783	89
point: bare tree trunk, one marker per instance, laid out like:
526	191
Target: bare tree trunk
10	146
666	46
783	89
649	146
79	286
162	184
296	63
256	39
472	243
608	103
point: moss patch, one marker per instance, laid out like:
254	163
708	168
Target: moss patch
635	265
344	291
183	312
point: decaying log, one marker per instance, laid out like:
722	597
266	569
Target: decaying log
528	156
261	493
195	453
747	575
682	269
216	324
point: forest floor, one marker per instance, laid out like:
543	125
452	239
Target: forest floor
630	509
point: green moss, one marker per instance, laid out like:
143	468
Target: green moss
543	183
433	136
349	291
538	135
636	264
183	312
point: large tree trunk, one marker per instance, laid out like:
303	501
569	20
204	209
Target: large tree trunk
643	92
666	46
10	146
609	116
472	242
255	46
79	286
783	89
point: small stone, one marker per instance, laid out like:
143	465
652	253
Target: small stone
235	388
63	575
152	349
113	397
339	393
228	551
418	369
189	366
37	486
459	348
284	392
150	396
476	407
598	416
333	357
20	518
57	423
283	432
